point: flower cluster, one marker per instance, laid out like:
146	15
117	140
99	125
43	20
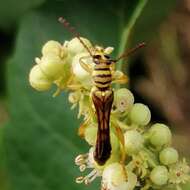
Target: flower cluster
142	156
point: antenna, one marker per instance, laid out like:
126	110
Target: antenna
71	29
127	53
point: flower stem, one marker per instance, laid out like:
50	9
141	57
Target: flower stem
124	42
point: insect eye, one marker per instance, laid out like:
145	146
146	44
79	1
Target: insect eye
97	56
106	56
108	62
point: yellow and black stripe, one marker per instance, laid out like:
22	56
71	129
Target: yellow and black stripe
102	76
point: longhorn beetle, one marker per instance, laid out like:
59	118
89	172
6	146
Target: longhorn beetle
102	94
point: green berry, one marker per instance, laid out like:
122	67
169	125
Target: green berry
140	114
38	80
168	156
160	135
133	142
123	100
159	175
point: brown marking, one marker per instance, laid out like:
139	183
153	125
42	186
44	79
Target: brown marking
103	105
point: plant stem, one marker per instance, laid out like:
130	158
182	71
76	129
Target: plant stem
124	42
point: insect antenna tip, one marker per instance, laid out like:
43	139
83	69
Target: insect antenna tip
142	44
61	19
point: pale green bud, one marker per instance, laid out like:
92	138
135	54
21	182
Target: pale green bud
65	76
168	156
38	79
133	142
160	135
52	47
159	175
115	144
115	177
74	46
52	66
140	114
80	73
123	100
90	135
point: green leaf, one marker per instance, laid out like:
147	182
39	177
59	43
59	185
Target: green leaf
3	171
41	139
11	11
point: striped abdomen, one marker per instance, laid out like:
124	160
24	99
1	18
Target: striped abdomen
102	76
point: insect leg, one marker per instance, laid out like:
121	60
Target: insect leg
84	65
120	136
119	77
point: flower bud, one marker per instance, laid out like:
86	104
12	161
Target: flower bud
159	175
115	144
52	47
74	97
65	76
75	47
52	66
38	79
160	135
80	73
90	135
140	114
168	156
133	142
114	177
123	100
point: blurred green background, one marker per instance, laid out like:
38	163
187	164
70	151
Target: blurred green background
38	133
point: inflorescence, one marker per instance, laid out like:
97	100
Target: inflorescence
142	156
